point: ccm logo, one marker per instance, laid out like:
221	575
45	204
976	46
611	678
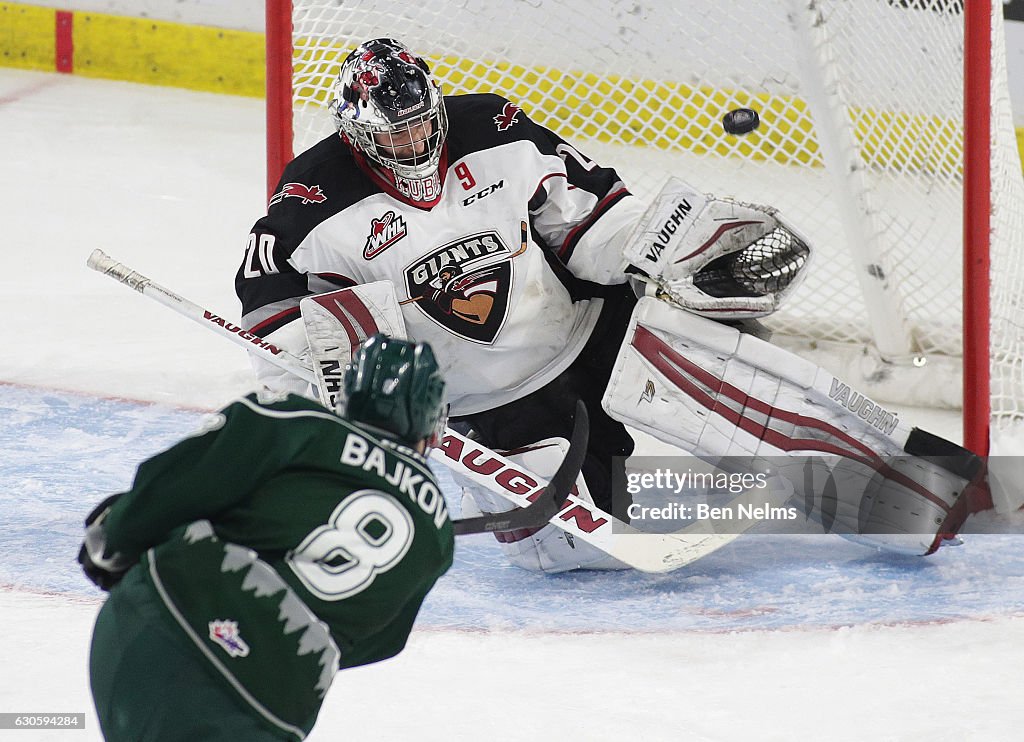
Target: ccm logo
483	193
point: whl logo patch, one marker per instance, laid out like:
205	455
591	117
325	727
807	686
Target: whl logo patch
225	633
308	194
384	232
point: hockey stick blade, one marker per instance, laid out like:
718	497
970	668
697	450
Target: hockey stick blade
551	500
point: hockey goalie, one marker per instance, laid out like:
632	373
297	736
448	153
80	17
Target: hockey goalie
539	280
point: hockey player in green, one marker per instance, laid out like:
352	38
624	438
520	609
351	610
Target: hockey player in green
252	560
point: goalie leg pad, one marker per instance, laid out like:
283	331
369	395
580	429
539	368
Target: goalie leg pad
548	549
714	392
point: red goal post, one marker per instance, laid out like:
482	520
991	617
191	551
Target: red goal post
977	223
279	90
909	189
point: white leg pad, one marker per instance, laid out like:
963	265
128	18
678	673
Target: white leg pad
715	392
730	394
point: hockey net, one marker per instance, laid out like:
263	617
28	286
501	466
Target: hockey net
861	145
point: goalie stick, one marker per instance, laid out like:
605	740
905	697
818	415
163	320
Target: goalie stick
647	552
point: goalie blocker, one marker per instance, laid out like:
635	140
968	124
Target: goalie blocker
859	469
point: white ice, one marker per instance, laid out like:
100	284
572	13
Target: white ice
170	182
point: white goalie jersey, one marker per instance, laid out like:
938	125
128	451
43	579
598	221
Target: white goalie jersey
502	275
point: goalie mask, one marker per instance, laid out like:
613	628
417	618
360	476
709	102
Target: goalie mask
389	109
395	386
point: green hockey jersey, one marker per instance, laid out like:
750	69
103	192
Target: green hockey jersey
287	543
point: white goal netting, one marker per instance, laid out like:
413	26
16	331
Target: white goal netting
861	144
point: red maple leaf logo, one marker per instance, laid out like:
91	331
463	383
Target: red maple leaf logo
309	194
507	117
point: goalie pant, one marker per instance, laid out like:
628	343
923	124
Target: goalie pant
231	625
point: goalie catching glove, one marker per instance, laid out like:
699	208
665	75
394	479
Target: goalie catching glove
717	258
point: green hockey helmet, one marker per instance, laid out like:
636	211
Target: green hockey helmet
395	386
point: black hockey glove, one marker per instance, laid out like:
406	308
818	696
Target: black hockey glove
97	511
102	577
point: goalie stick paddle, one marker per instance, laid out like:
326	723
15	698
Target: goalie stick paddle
551	499
647	552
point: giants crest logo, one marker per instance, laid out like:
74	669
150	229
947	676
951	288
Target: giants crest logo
384	232
649	391
464	286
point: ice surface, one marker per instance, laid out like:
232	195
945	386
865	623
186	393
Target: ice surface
772	638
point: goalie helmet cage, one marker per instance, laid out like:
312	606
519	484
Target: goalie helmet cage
868	143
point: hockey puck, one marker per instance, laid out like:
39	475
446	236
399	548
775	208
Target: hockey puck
741	121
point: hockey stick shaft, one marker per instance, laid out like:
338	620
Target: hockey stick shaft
103	263
551	500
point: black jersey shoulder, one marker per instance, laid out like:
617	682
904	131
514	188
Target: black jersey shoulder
319	183
480	121
329	177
